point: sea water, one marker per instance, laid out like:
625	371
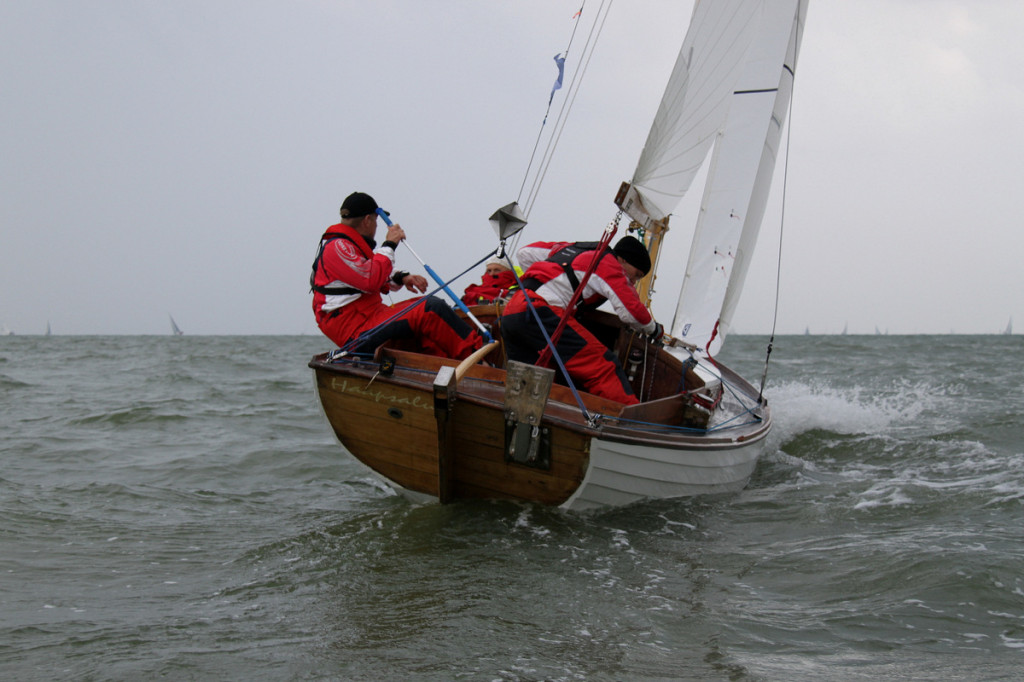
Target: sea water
178	507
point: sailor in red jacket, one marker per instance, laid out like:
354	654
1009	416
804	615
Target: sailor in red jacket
351	273
552	272
497	283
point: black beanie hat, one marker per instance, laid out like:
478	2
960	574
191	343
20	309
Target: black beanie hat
358	204
631	250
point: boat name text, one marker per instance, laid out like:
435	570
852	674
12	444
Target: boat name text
378	395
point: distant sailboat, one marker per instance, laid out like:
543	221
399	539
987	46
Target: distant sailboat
845	328
807	331
1009	327
48	332
4	331
174	327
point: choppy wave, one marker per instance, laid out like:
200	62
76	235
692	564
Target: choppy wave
892	447
7	383
178	507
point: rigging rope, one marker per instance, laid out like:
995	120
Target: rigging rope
540	170
782	225
590	419
563	115
551	99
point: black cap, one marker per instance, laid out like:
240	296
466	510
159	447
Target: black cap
358	204
632	250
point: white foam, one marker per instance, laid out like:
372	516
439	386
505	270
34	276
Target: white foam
799	407
900	429
1011	642
883	494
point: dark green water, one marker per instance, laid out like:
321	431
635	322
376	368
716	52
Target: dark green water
178	508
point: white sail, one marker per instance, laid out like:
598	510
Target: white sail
693	107
739	177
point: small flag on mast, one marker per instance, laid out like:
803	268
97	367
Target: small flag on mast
560	61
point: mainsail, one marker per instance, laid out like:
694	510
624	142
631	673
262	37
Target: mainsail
739	178
731	89
694	106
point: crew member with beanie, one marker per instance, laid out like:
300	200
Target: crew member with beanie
553	270
351	273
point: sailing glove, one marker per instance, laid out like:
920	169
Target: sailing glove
658	333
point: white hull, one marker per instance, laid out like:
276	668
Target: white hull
623	473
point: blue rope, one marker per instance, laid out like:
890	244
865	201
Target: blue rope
726	425
669	427
352	343
554	351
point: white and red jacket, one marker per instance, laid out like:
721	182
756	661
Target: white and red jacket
607	282
348	273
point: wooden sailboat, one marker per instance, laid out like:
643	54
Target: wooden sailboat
435	428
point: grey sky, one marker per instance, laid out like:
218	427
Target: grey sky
184	157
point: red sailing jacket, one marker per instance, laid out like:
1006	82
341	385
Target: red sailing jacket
608	282
348	274
490	288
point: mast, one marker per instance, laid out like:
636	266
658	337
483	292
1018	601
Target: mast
652	235
653	239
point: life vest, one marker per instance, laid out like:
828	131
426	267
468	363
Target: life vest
564	258
333	291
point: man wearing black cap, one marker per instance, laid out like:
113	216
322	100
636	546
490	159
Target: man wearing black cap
351	273
552	272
